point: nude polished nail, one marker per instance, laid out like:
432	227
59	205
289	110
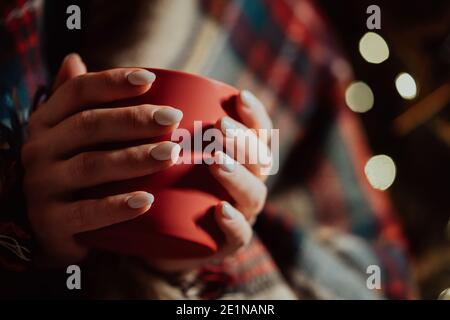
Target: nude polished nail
141	200
166	151
141	77
168	116
228	211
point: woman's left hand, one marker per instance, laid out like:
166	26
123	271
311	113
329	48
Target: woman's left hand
241	176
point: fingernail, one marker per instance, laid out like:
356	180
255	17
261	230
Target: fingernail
166	151
228	211
168	116
248	99
228	127
224	161
141	200
141	77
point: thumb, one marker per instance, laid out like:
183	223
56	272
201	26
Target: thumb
236	228
71	67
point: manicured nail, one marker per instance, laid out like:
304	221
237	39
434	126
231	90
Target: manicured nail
141	200
166	151
249	100
224	161
228	211
228	127
168	116
141	77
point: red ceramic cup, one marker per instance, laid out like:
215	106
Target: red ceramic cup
180	223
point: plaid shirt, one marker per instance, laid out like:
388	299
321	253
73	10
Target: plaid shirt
323	224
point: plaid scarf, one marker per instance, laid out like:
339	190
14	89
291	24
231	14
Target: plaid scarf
21	73
324	225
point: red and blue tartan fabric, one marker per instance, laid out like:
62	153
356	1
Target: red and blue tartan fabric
324	224
21	73
338	225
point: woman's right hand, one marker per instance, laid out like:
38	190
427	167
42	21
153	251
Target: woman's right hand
60	158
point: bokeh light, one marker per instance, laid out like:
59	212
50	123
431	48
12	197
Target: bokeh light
359	97
448	229
380	171
445	295
406	86
373	48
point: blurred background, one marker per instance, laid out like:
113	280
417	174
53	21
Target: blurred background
404	106
402	97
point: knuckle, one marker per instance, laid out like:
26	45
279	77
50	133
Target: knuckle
133	155
77	86
110	79
256	200
84	165
107	204
87	122
136	118
253	202
242	240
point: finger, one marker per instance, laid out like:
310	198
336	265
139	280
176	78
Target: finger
236	228
71	67
98	167
245	188
92	127
247	148
89	215
254	115
238	234
93	89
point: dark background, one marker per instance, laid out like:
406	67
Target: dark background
418	36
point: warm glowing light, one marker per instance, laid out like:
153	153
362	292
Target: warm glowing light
359	97
380	171
445	295
406	86
448	229
373	48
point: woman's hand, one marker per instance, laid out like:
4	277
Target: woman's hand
60	155
242	178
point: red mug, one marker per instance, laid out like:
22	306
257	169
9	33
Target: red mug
180	224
